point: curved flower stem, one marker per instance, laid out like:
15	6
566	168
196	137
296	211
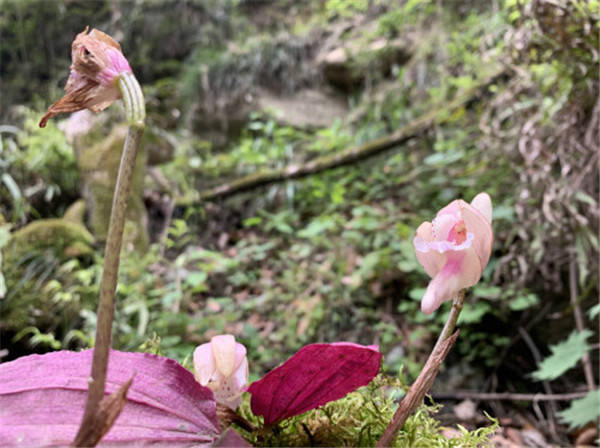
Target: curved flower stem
425	380
91	430
457	306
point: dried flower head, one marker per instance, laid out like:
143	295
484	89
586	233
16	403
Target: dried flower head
97	62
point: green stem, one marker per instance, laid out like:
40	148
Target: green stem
135	113
425	380
457	306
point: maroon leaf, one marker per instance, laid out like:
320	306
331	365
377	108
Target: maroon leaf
315	375
42	398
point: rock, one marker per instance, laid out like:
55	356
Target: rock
587	436
98	166
42	234
465	410
307	108
32	259
346	66
533	438
98	147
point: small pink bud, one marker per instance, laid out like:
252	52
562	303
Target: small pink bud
222	366
454	248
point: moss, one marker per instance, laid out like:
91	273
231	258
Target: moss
359	419
99	165
75	212
33	259
47	233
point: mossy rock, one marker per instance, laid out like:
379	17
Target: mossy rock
48	233
76	212
98	166
33	260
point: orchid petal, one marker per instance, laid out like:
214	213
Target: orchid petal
204	363
240	355
240	376
483	204
224	351
443	224
463	269
432	261
451	209
478	224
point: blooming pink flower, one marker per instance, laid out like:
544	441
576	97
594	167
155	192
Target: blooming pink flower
222	366
97	62
454	248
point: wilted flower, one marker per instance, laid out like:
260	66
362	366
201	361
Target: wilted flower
454	248
97	62
222	366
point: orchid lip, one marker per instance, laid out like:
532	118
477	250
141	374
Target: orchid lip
442	246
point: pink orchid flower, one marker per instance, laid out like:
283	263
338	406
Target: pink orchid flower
222	366
454	248
97	62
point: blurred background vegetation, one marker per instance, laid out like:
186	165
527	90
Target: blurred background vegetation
244	87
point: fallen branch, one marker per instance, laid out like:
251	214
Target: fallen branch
507	396
346	157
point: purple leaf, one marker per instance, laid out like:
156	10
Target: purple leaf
315	375
42	398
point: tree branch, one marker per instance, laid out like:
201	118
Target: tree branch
507	396
346	157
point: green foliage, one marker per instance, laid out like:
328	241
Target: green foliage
583	410
564	356
360	418
38	169
345	8
328	257
594	311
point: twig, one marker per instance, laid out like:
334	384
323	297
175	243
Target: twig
135	110
587	364
425	380
507	396
551	409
